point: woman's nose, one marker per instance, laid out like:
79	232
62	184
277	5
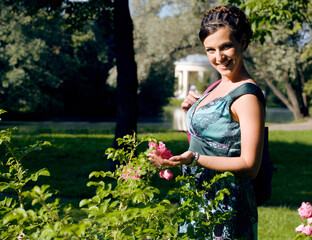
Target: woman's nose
219	56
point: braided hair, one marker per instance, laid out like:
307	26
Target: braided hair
226	16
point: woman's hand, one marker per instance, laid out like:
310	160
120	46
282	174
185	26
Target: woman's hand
184	158
191	98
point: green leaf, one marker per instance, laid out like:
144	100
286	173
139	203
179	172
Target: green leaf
42	172
98	174
3	186
17	214
47	233
84	202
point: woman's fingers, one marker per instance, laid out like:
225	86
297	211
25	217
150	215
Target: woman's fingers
184	158
191	98
160	162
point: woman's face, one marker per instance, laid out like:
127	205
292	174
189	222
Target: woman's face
224	52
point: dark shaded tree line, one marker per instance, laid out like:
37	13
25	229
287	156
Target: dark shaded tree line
52	68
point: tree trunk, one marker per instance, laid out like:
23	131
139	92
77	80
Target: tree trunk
291	92
127	82
278	93
303	96
293	105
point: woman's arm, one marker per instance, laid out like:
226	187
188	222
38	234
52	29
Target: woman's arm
249	111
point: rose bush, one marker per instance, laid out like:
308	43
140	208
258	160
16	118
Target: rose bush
305	212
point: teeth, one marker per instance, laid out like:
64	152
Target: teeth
224	65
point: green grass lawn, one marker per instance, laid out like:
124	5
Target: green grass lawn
72	157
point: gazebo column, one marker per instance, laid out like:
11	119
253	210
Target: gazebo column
185	87
180	83
179	75
201	76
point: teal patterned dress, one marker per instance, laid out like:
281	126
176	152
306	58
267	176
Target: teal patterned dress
215	133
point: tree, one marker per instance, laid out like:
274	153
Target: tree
281	29
51	69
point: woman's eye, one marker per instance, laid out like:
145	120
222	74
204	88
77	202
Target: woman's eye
209	50
227	46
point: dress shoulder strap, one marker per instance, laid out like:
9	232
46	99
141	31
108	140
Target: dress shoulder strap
212	86
248	88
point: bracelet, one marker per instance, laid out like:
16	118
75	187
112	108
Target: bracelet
194	160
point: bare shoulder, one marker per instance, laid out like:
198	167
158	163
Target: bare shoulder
247	105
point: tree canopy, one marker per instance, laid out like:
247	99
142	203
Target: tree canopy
48	70
281	54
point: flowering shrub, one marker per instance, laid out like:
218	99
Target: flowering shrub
305	212
130	210
129	207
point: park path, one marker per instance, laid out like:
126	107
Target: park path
292	126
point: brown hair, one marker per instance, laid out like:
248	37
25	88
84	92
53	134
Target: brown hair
226	16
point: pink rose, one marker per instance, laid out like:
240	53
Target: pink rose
305	211
310	220
166	155
161	151
152	145
161	148
167	174
307	230
300	227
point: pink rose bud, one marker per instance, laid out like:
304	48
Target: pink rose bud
307	230
161	173
300	227
161	145
310	220
152	145
167	174
305	210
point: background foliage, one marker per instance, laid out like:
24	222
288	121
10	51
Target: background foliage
49	71
57	58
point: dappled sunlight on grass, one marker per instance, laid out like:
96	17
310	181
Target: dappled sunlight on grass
277	223
290	153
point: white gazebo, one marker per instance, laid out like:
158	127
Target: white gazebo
186	70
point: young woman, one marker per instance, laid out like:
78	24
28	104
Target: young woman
226	124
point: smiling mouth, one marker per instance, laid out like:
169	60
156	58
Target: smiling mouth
223	66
